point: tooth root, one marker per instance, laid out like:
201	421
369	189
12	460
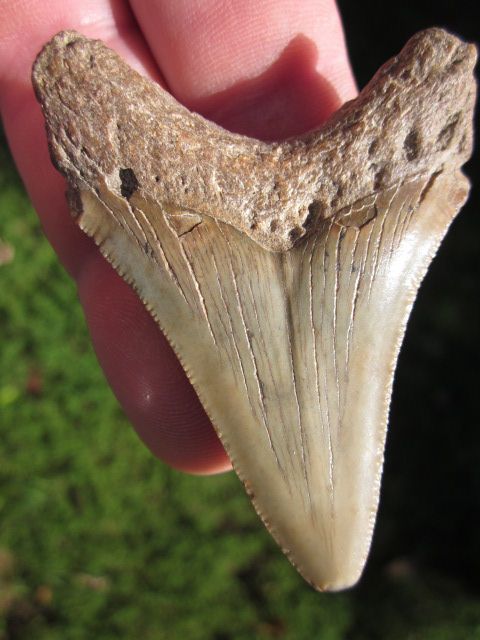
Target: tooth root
292	352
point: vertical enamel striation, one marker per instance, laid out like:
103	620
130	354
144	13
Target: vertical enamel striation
290	339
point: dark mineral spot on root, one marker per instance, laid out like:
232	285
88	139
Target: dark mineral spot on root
379	177
373	147
314	210
295	233
74	201
446	134
412	145
129	183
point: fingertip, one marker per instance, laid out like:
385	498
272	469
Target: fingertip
289	98
205	48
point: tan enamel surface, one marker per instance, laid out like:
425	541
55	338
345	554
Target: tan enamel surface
292	354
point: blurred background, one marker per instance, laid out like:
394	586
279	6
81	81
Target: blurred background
100	540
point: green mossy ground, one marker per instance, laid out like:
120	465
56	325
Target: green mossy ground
100	540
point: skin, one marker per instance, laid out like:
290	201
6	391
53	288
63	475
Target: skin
269	69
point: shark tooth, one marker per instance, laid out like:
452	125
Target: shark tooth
282	274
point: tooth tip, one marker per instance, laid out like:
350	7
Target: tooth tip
333	577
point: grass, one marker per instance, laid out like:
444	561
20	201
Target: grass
100	540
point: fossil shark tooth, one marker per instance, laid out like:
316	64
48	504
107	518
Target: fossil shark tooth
283	274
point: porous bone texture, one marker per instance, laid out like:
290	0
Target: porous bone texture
102	116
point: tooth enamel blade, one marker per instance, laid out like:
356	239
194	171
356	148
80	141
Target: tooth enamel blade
292	354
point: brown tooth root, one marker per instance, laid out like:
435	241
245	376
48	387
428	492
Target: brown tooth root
283	274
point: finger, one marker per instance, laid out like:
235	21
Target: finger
146	376
173	424
268	69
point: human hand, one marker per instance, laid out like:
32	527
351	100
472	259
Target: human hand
269	70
